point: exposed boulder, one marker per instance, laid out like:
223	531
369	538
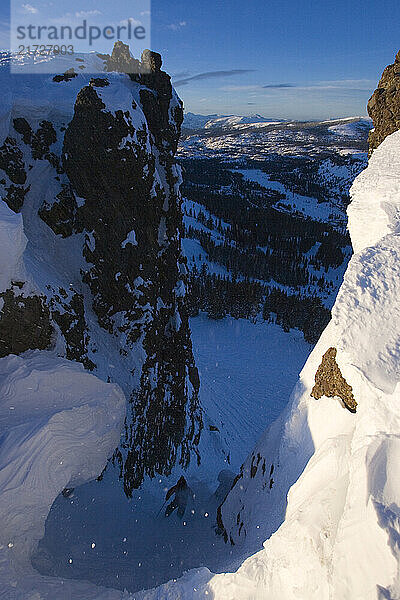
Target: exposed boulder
330	382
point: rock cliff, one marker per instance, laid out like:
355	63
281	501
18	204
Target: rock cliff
89	164
384	105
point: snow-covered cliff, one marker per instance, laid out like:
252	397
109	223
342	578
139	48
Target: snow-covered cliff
322	487
87	162
93	324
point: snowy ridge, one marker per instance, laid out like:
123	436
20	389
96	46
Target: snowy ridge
59	424
322	485
208	122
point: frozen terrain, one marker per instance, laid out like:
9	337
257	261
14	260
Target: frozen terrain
316	504
256	138
305	205
58	425
135	545
330	517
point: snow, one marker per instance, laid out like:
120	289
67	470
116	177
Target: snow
233	140
130	239
56	63
196	254
209	122
329	522
12	242
239	401
239	405
305	205
58	426
352	128
375	209
321	521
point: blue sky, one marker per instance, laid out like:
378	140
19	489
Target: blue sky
288	58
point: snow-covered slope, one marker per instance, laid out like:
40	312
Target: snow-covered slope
235	138
208	122
58	426
193	121
353	128
322	487
237	122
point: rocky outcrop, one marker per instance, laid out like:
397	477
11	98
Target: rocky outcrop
99	196
121	59
24	322
384	105
330	382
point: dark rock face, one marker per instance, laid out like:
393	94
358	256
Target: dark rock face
11	161
40	141
113	197
61	215
68	311
24	323
330	382
117	184
384	105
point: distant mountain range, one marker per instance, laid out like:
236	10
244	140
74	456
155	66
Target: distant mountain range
215	121
345	126
255	137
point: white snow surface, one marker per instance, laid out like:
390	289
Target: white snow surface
58	426
331	518
193	121
12	242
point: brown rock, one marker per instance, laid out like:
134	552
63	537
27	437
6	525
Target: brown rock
151	61
330	382
384	105
121	59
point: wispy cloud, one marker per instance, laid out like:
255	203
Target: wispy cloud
241	88
341	86
338	84
177	26
211	75
363	84
181	75
82	14
277	86
29	9
132	21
